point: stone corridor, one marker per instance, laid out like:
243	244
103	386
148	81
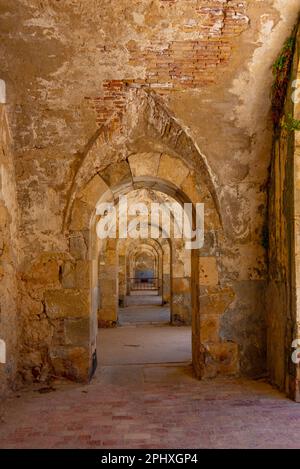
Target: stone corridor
150	406
135	402
149	224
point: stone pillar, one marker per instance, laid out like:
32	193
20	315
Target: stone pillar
181	311
122	281
166	279
69	310
2	92
108	286
159	273
218	356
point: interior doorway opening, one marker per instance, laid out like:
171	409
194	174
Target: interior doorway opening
171	177
142	298
142	301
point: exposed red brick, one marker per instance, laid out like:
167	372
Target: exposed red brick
181	64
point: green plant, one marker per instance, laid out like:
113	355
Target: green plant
281	71
291	124
284	56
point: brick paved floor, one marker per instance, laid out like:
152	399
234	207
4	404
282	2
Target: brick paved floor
151	406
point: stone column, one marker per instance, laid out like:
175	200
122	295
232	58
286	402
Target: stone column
166	261
181	311
122	281
108	286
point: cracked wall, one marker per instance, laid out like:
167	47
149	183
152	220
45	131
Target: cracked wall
8	257
73	67
283	287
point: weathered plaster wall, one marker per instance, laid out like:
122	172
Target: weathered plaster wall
295	388
71	66
282	293
8	257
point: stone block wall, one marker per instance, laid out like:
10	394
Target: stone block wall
106	82
8	259
282	293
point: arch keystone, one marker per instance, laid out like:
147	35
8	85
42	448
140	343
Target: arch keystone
144	164
117	174
172	169
93	191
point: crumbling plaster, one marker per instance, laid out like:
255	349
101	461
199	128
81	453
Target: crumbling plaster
69	66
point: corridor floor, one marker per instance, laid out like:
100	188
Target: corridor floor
151	315
134	402
144	344
159	407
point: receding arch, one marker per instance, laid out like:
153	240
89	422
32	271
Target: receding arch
77	359
122	144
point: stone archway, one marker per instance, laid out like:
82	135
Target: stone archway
177	273
111	266
282	298
162	185
176	168
77	305
147	127
135	250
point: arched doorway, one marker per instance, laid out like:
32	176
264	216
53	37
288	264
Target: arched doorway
110	193
180	174
124	263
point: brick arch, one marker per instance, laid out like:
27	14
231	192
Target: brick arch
112	277
282	298
143	248
135	244
178	291
154	249
76	305
162	171
130	245
170	284
146	121
83	212
76	361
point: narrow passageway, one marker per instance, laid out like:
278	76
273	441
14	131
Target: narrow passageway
149	224
144	309
144	335
151	315
144	344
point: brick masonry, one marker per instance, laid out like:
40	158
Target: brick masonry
211	64
178	65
